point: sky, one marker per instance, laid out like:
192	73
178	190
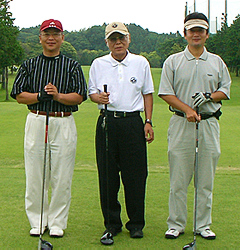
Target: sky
155	15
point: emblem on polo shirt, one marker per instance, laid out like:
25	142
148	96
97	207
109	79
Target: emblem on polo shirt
133	79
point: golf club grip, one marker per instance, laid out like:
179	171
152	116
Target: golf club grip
47	120
197	123
105	90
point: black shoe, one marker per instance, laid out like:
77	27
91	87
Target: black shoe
107	238
114	231
136	233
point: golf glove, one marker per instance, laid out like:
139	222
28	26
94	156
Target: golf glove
201	98
43	96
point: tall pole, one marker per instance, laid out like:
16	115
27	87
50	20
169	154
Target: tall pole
186	9
209	14
194	5
216	25
226	12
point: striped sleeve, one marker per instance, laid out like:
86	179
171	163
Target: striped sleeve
78	81
20	83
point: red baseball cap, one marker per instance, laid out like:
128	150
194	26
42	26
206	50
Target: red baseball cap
51	23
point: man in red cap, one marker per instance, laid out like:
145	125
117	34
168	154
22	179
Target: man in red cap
56	83
51	23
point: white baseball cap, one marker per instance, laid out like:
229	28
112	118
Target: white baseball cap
115	27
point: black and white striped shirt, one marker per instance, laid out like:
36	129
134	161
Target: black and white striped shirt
63	72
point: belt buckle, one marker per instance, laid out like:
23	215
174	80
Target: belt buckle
115	115
119	116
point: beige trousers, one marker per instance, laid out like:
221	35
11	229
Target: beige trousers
61	150
181	154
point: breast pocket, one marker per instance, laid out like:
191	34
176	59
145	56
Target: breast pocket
210	80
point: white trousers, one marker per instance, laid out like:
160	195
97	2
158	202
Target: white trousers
181	154
61	150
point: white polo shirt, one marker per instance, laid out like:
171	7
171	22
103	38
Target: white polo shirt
127	81
183	76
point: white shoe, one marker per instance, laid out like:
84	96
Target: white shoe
173	233
207	234
35	231
56	233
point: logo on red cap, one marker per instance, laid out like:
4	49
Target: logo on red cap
51	23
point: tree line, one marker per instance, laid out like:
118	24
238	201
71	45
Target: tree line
87	44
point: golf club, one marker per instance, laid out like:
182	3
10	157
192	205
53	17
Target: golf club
107	238
193	244
43	244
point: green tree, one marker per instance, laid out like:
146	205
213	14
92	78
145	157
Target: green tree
87	56
31	50
68	50
78	39
10	49
233	45
95	36
226	44
153	58
170	46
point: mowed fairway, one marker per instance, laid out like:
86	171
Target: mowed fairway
85	224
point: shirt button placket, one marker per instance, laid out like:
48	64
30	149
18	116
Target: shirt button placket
120	72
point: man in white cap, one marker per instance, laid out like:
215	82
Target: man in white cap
191	80
129	92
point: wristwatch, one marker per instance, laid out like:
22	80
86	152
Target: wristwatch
208	96
148	121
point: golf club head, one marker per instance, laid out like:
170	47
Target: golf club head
191	245
43	244
107	239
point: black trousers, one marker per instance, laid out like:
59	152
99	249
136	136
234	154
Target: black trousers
127	157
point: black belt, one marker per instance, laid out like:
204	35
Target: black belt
119	114
204	116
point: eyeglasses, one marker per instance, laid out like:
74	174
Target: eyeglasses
114	39
54	35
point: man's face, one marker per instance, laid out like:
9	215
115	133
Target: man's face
118	45
196	37
51	40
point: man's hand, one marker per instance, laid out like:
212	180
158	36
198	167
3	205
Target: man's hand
201	98
43	96
104	98
149	134
192	115
52	90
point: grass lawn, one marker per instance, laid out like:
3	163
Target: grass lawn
85	224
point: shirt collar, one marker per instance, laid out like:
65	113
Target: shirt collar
190	57
51	58
124	62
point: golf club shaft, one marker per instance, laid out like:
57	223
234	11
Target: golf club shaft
196	177
193	244
106	239
106	141
106	118
44	167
